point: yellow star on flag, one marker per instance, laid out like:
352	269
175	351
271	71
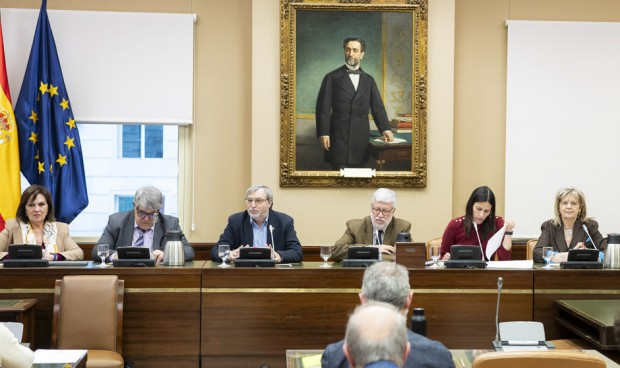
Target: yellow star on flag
69	142
53	91
41	167
62	160
52	168
34	117
33	137
64	103
71	123
43	88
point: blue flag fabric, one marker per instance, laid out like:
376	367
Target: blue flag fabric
49	143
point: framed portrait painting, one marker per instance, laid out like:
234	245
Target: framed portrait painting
353	93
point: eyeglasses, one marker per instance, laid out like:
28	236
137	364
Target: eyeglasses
258	201
152	215
376	211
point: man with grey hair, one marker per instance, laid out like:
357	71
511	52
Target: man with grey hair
380	229
142	226
260	226
376	337
388	282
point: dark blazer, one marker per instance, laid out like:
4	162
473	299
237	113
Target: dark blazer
360	232
553	236
425	353
342	113
119	233
238	232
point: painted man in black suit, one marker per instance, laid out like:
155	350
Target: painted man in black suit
260	226
347	95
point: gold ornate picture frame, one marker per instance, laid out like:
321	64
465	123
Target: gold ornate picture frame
395	56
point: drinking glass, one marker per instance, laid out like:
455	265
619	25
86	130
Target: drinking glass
435	256
326	252
222	251
547	254
103	250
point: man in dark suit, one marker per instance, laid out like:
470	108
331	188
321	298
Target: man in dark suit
379	229
345	97
144	226
256	226
388	282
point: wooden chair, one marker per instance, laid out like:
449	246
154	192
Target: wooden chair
88	314
433	243
538	359
529	249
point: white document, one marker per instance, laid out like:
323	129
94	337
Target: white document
396	140
495	242
49	356
512	265
523	347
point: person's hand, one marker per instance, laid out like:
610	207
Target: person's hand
559	257
446	257
325	142
48	256
510	225
388	136
234	254
387	249
276	255
158	256
580	245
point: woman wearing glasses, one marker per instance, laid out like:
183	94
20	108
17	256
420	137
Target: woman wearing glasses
143	226
477	226
34	223
379	229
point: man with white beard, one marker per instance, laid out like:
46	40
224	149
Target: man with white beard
380	229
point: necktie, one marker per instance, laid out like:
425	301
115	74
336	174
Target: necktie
140	241
352	71
379	237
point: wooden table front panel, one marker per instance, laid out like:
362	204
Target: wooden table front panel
557	284
161	322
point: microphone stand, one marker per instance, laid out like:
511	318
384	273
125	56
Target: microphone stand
497	344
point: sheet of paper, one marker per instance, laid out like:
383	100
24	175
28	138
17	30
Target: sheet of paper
396	140
311	361
523	347
495	242
56	356
513	265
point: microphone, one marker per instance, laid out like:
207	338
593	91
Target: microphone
273	243
479	242
589	237
497	343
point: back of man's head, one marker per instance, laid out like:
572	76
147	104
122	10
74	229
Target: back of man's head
376	332
387	282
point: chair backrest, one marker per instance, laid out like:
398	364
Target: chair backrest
522	331
433	243
538	359
88	313
529	249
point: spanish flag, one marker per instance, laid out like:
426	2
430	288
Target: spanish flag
9	149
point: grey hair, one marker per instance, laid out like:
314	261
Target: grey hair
386	282
256	187
148	198
384	195
376	331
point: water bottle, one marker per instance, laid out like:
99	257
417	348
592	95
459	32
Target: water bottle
418	321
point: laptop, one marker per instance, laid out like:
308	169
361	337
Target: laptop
25	255
582	258
133	257
255	257
465	256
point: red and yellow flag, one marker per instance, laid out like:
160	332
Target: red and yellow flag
9	149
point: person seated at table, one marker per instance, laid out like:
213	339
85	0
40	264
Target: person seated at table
477	226
376	337
12	353
388	282
142	226
35	223
255	227
379	229
565	231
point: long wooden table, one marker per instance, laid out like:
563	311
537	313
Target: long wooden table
201	314
161	324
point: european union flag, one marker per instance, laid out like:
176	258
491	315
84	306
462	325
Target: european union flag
49	142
